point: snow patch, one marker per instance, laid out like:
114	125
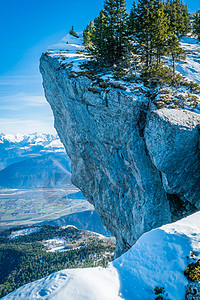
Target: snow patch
26	231
56	244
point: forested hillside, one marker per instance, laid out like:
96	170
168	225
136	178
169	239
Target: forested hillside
28	254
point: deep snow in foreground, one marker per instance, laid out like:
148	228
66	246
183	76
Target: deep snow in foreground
158	258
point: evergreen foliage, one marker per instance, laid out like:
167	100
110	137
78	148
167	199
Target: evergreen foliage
107	39
196	25
175	50
117	35
151	32
141	40
179	21
132	21
192	272
73	32
100	48
88	34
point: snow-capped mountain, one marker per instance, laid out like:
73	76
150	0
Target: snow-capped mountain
158	258
33	160
31	139
18	147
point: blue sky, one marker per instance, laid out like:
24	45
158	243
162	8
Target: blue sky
26	29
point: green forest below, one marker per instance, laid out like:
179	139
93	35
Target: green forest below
24	259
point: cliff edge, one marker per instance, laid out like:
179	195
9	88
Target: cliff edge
139	166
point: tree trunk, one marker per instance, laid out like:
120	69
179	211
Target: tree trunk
173	59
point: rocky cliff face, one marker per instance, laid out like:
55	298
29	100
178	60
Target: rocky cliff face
139	167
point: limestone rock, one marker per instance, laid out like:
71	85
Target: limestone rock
172	139
127	178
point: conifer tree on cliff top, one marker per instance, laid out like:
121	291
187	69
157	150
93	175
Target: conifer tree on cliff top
132	20
155	27
109	37
100	49
149	29
116	15
196	25
73	32
179	21
88	35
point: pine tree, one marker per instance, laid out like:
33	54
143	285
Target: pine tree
142	29
131	28
121	29
107	38
179	25
150	30
196	25
73	32
99	38
116	17
179	21
160	31
88	34
132	20
109	10
175	50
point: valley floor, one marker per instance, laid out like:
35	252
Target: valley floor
20	207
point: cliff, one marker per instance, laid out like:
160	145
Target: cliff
138	165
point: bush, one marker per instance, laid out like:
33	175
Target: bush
160	297
158	290
194	87
162	76
192	272
153	77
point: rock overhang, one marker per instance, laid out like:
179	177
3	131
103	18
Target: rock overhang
138	165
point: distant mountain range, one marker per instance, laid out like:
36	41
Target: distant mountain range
18	147
33	161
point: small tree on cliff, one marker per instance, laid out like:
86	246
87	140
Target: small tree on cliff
88	35
73	32
132	20
99	39
117	35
